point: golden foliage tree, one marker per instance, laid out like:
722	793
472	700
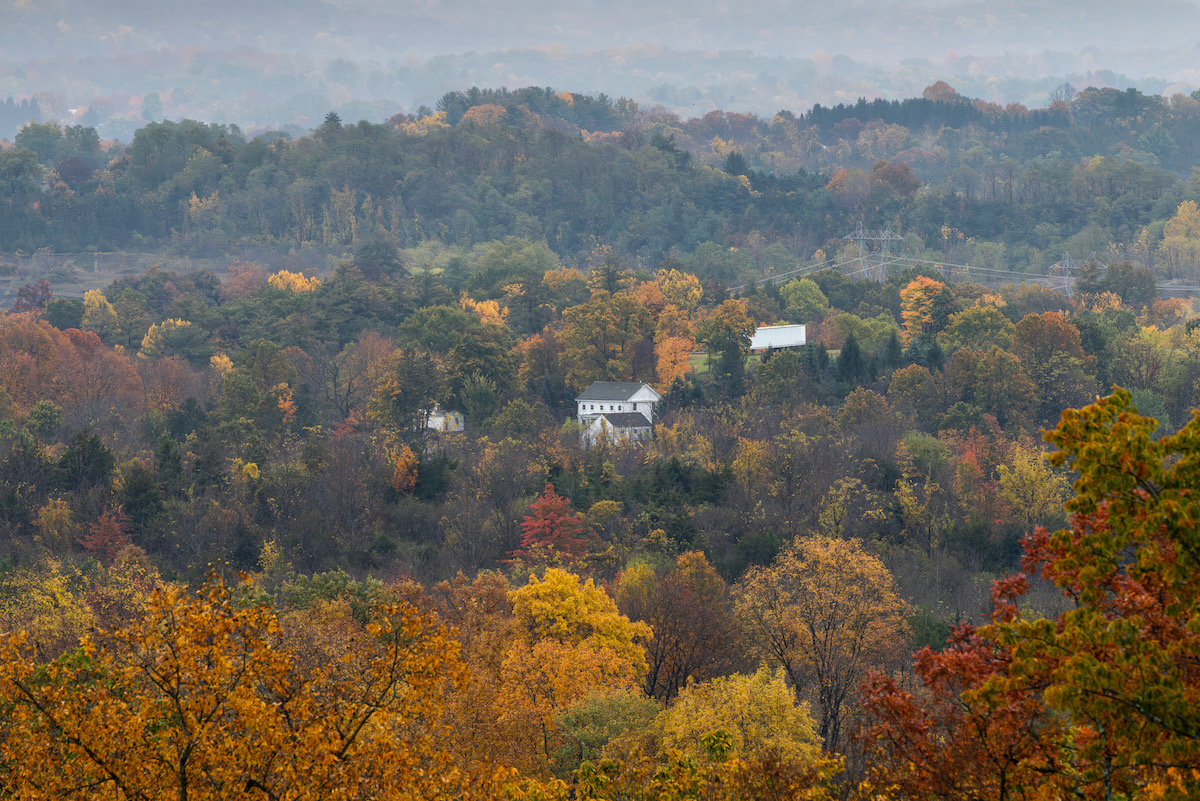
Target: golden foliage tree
758	712
569	640
293	282
201	699
917	305
826	611
1033	492
679	289
155	342
1180	247
99	315
602	337
562	607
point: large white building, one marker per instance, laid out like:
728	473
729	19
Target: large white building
618	397
617	410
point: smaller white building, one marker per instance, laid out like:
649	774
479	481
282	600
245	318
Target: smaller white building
616	397
618	427
441	420
778	336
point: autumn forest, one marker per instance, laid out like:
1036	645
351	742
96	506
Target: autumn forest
948	548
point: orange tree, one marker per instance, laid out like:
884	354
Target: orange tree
200	699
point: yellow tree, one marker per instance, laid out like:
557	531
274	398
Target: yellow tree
758	712
155	343
923	523
846	507
562	607
46	600
751	469
680	289
293	282
1031	489
602	337
1180	246
570	639
977	327
56	526
918	307
99	315
539	682
826	611
201	699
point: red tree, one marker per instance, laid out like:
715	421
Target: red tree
109	535
549	535
33	297
958	738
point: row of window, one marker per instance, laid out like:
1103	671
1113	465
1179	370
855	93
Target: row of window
611	408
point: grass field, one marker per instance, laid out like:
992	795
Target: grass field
699	362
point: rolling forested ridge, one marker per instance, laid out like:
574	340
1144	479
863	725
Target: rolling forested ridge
946	548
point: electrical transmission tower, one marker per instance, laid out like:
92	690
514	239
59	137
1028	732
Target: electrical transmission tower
875	263
1067	267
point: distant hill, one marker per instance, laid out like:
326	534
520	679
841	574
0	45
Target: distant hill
118	65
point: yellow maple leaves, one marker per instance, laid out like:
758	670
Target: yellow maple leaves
826	611
561	607
758	712
293	282
201	699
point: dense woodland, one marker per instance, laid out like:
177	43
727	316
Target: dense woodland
286	585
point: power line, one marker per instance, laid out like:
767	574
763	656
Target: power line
878	261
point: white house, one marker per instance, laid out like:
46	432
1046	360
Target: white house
777	336
617	397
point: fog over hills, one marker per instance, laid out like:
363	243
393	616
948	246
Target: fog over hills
279	64
875	30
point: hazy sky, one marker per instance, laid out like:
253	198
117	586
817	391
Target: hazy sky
864	29
744	55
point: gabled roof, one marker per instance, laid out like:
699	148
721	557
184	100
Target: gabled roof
626	419
612	390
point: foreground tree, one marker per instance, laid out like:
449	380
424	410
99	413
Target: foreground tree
1101	702
758	712
200	699
957	740
693	630
569	640
826	611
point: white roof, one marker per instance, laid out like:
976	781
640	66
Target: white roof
777	336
